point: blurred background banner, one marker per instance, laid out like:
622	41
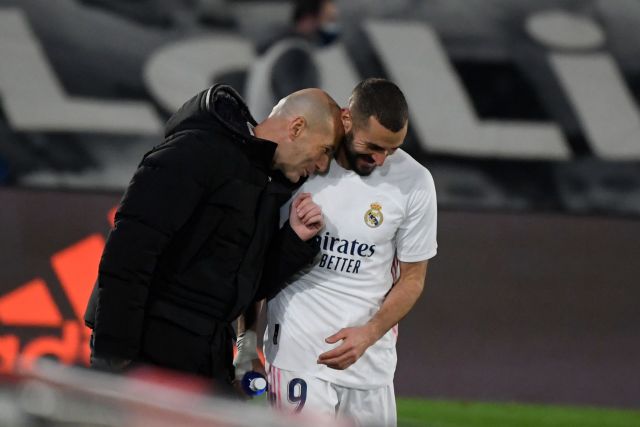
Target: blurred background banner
515	105
526	112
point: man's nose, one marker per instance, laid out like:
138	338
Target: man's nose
379	158
323	164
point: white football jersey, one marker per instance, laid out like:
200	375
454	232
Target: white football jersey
368	221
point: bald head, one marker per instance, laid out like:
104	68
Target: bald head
320	111
307	127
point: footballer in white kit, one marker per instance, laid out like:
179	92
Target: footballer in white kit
379	205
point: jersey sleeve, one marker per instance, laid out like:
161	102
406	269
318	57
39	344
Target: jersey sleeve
416	236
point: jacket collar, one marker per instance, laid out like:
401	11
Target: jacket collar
230	111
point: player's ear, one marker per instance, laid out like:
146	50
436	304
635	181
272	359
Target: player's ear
347	122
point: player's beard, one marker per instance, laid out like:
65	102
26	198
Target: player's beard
353	157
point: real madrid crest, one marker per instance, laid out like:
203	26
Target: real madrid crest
373	217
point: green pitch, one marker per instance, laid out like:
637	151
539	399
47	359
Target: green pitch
419	412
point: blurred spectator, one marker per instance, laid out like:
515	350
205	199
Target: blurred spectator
286	63
313	20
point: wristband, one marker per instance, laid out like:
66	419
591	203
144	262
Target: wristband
247	344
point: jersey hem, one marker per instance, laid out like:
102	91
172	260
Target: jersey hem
417	258
331	379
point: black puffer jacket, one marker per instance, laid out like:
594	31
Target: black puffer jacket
194	229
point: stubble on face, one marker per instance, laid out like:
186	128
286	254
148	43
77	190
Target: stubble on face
362	164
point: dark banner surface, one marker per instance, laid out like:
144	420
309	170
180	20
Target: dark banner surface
538	308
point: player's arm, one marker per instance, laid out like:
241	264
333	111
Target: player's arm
399	301
415	243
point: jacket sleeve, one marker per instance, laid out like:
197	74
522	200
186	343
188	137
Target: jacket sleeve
287	255
165	190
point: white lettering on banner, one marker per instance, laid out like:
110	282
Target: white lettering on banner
602	102
34	100
442	114
557	28
591	81
441	111
176	72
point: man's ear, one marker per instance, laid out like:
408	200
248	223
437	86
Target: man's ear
347	122
296	126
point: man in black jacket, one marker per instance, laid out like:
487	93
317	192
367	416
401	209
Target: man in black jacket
196	235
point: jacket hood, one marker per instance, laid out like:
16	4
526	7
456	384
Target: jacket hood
220	106
220	109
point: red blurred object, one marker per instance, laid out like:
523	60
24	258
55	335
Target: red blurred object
173	379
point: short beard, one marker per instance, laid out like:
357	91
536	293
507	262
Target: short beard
352	156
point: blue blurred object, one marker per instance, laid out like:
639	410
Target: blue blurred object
254	383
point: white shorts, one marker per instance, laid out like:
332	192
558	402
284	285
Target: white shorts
300	393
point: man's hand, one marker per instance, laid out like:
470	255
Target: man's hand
355	341
305	217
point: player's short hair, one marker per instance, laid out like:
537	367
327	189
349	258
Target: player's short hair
381	99
304	8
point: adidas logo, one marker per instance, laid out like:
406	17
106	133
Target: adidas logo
31	306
